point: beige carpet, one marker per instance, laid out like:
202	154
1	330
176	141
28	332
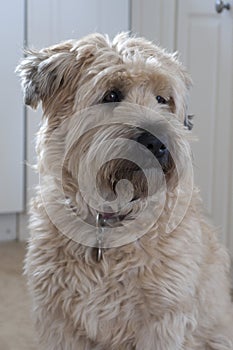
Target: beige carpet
16	330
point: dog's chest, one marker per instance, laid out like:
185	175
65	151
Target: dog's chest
122	302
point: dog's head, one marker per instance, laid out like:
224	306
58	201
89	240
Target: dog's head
115	124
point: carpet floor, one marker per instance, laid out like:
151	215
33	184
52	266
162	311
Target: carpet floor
16	329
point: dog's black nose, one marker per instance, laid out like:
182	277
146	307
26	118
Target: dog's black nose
157	147
153	144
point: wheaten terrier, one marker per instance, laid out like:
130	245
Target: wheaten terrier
120	255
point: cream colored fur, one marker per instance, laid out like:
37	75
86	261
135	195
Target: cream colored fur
162	291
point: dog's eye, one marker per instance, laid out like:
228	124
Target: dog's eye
161	100
113	96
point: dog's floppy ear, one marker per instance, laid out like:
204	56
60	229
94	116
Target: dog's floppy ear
51	75
43	72
188	121
46	74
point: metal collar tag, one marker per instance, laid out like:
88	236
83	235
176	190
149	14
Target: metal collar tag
100	223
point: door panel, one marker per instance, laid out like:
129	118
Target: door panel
205	41
155	20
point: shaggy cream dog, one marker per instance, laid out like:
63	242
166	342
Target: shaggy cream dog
120	255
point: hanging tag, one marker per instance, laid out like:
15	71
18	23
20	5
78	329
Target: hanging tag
99	236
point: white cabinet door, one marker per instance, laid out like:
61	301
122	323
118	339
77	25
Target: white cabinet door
11	107
205	41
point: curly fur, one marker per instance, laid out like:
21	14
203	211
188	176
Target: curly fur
165	290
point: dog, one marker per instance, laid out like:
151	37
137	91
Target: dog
120	254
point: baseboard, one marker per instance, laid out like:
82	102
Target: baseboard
8	227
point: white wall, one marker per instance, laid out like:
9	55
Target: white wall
12	113
51	21
11	119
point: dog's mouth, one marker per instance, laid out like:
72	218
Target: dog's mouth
110	219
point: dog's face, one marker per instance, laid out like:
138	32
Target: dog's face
114	117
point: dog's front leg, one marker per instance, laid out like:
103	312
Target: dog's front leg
169	333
